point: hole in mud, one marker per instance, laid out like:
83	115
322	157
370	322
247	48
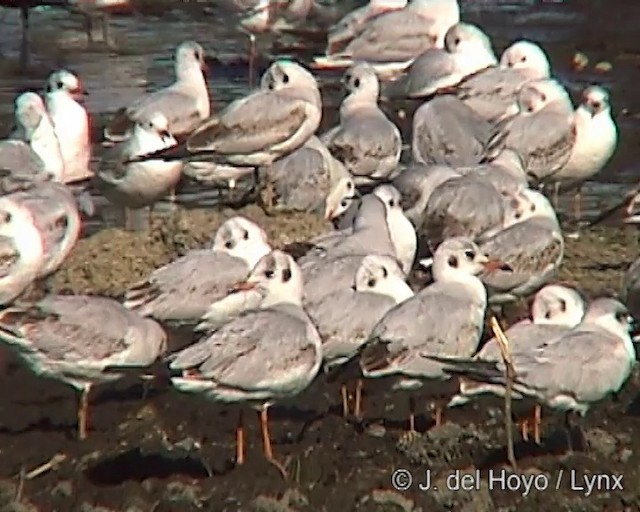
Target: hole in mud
136	466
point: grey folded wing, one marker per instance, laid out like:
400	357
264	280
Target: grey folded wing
430	72
531	249
18	158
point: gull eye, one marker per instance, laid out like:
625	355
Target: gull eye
523	58
245	235
343	203
563	305
533	208
543	97
469	254
453	261
269	273
229	244
371	283
356	83
286	275
596	105
59	84
547	315
285	79
457	41
384	272
349	185
518	215
392	203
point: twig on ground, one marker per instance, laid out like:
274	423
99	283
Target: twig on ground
47	466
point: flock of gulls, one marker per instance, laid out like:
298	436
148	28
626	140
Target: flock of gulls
493	138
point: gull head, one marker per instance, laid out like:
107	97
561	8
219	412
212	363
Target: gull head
189	55
558	305
242	238
277	277
458	258
29	112
340	198
66	82
361	80
528	58
283	74
381	274
611	315
470	42
390	196
595	100
537	94
158	125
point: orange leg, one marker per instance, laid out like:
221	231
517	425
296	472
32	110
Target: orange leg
537	423
345	400
240	439
83	412
524	429
437	415
412	414
358	407
266	442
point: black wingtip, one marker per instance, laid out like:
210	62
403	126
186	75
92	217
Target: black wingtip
178	152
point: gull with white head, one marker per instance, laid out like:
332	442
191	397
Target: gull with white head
36	152
391	41
70	122
596	141
493	92
261	356
543	132
184	104
182	291
533	247
81	340
444	319
365	141
21	249
467	51
260	128
137	185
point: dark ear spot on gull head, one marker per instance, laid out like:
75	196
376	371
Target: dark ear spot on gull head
453	261
286	275
563	305
384	272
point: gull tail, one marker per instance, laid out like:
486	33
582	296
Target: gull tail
477	370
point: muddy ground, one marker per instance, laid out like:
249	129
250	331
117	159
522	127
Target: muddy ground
160	451
152	449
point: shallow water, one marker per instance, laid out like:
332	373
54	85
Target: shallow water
146	44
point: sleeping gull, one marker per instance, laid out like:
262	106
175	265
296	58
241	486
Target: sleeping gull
136	185
37	152
306	180
445	318
467	50
543	132
464	206
55	214
346	317
183	290
81	340
261	356
366	141
185	103
505	172
22	249
493	92
392	40
555	310
448	132
262	127
596	140
601	355
71	124
416	183
533	247
352	24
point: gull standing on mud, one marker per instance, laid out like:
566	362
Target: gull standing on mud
352	24
493	93
185	103
532	246
81	340
55	214
36	151
365	141
71	124
596	140
137	185
346	317
183	290
391	41
445	318
601	355
467	50
262	127
543	132
21	248
261	356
